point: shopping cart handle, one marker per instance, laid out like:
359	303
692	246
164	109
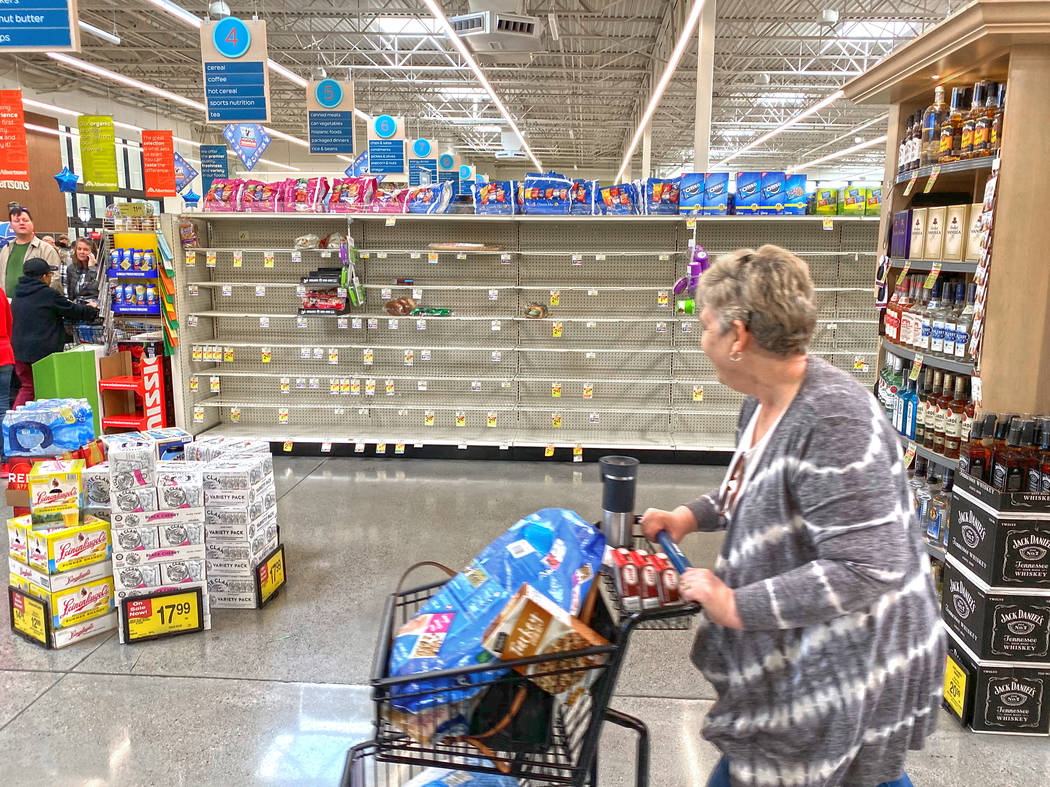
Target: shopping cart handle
674	554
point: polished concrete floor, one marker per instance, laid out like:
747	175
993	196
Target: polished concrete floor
278	696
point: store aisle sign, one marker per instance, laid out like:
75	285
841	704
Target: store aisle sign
98	153
330	115
248	141
33	25
160	164
236	77
448	170
213	165
386	145
184	172
422	163
14	152
467	175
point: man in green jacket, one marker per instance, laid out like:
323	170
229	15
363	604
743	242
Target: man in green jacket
26	245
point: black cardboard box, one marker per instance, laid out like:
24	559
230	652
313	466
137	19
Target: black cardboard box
994	696
996	624
1014	502
1002	548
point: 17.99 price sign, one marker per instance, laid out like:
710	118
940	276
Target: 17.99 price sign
162	615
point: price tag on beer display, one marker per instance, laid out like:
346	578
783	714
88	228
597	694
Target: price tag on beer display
955	680
935	271
270	576
30	617
163	614
933	179
916	367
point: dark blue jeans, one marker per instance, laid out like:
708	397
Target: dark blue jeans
5	392
720	777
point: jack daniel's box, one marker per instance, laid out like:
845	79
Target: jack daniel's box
991	696
997	624
1007	548
1033	503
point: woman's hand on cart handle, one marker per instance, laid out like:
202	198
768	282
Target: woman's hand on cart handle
678	523
714	595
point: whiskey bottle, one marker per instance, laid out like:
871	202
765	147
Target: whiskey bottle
953	419
970	121
947	130
931	126
923	394
940	418
975	453
982	130
996	139
957	125
1010	472
1040	453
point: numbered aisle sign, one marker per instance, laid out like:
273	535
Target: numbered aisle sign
270	577
165	614
30	617
330	115
422	163
236	77
448	170
386	145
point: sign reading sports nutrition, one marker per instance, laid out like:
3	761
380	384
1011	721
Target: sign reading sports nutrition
236	79
34	25
330	116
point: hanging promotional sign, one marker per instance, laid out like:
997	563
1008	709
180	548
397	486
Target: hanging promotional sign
160	164
248	141
330	116
422	163
236	78
184	173
386	145
448	170
359	167
213	165
14	152
98	153
34	25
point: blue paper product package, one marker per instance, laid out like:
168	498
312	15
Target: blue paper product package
795	195
691	192
496	198
716	194
661	196
619	200
773	198
434	198
583	198
554	550
48	427
748	192
547	194
440	777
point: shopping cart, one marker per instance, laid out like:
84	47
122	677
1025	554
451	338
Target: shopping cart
567	751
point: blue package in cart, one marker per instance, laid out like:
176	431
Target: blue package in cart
547	194
431	199
583	196
748	193
691	192
495	198
553	550
661	196
773	197
716	194
795	195
619	200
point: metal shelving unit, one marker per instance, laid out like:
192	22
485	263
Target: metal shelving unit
947	266
930	456
611	366
951	168
948	365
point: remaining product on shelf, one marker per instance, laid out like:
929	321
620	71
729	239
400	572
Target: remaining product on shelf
47	427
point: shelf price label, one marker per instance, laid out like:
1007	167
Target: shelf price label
577	259
264	322
955	680
556	420
662	298
267	259
238	258
588	390
556	330
214	384
287	446
165	614
209	259
490	420
504	259
265	354
461	418
909	455
297	255
227	290
191	259
326	448
690	224
235	415
548	450
698	393
380	448
428	418
935	271
577	453
399	449
933	179
270	576
556	390
911	184
192	290
828	223
555	298
198	414
30	617
282	415
194	384
904	272
260	290
432	256
916	367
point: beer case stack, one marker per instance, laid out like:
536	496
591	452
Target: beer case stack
62	557
157	522
996	604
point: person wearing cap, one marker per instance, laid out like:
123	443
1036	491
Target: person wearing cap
39	313
25	246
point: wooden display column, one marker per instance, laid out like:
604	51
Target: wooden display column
1015	358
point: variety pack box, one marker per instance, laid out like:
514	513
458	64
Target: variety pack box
75	605
232	592
152	576
69	548
827	202
136	519
53	583
873	201
691	192
748	193
54	492
900	237
795	195
774	187
918	234
716	194
996	624
852	200
1001	548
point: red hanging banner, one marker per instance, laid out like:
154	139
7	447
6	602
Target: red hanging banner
158	164
14	153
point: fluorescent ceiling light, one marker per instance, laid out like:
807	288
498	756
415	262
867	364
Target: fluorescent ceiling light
784	126
552	22
488	128
99	33
442	20
676	54
407	26
113	76
853	149
291	76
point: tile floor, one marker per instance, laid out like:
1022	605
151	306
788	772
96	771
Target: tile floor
277	696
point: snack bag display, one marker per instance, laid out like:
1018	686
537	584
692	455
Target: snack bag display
495	198
583	197
554	550
304	195
619	200
661	197
389	200
223	195
351	195
547	194
259	197
434	198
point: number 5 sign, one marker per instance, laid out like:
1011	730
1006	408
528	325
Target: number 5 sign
330	115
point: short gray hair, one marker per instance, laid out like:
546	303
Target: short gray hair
769	290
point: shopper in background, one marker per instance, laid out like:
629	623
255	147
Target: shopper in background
26	245
81	273
820	630
38	321
7	368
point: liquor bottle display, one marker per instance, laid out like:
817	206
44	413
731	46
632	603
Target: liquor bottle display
931	126
951	125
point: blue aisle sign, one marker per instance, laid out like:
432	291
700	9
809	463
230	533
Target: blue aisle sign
466	178
422	163
184	171
330	116
248	141
236	80
32	25
386	146
213	165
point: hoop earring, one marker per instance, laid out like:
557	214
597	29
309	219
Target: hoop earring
738	356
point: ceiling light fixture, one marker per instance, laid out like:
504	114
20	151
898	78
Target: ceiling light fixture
443	22
552	22
853	149
784	126
98	32
654	101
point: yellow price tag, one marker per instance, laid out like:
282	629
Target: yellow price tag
238	258
191	258
555	297
662	298
909	455
267	259
556	330
916	367
288	446
490	421
828	223
577	453
214	384
194	384
391	221
556	420
588	390
690	223
399	449
227	354
698	393
933	179
955	680
209	259
30	617
380	448
911	185
265	354
428	418
282	415
904	272
163	614
198	415
235	415
548	450
556	390
461	419
931	279
270	576
432	256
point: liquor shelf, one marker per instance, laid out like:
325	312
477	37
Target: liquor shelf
948	365
930	456
951	168
947	266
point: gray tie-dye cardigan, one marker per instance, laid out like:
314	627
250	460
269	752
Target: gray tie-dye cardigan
837	672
